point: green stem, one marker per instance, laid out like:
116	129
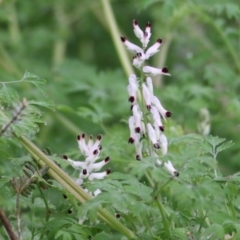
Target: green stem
115	33
45	202
59	175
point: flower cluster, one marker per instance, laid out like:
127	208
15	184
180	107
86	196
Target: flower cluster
146	121
91	150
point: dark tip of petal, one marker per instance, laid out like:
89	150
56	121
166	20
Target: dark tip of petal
131	99
165	70
69	211
176	173
91	137
131	107
100	147
134	57
137	129
156	145
168	114
148	24
161	128
64	196
95	152
107	159
130	140
108	171
159	40
84	171
99	137
138	157
83	135
123	39
145	34
139	54
65	157
78	137
135	22
117	215
148	107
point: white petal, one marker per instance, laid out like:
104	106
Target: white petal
137	30
151	71
153	49
157	118
152	136
146	35
147	96
150	85
97	192
164	113
99	165
133	135
75	164
164	144
133	80
93	156
137	118
100	175
96	144
131	47
82	144
170	168
79	181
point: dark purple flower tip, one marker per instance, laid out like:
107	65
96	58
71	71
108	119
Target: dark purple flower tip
107	159
117	215
95	152
91	137
108	171
78	137
168	114
131	107
83	135
65	157
137	129
176	174
165	70
138	157
69	211
130	140
161	128
134	57
159	40
123	39
135	22
156	145
139	55
84	171
100	147
148	107
99	137
145	34
131	99
148	24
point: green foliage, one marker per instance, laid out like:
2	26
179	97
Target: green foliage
69	44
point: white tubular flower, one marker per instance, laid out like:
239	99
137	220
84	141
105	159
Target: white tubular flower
75	164
100	175
146	35
137	30
147	96
137	62
149	85
137	118
99	165
133	80
131	124
164	113
138	147
153	49
131	47
152	136
170	168
163	144
89	165
157	118
132	89
152	71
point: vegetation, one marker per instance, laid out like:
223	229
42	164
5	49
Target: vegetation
64	71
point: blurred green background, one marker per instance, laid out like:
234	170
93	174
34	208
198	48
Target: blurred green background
70	45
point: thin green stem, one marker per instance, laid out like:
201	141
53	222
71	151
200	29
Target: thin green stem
115	33
45	202
59	175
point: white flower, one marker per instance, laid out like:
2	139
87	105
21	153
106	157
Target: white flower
146	35
89	166
133	135
132	89
170	168
153	49
147	96
137	30
152	136
164	113
157	118
131	47
152	71
149	85
137	118
163	144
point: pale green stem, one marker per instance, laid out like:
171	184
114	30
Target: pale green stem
115	33
59	175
